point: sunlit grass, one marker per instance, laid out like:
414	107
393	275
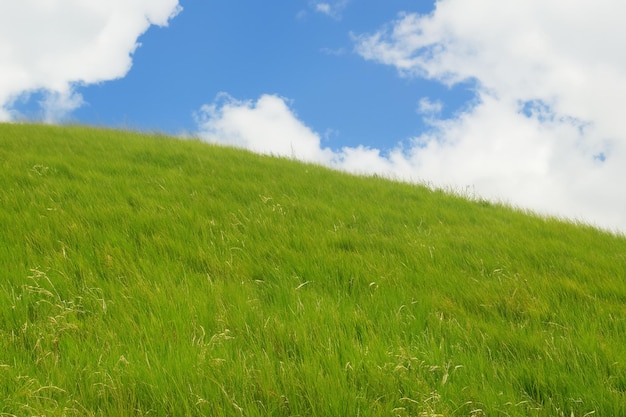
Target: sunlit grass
144	275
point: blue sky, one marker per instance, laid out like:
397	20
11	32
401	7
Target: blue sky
250	48
517	101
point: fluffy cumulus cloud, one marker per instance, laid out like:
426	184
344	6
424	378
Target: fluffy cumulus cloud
52	46
266	126
545	130
270	126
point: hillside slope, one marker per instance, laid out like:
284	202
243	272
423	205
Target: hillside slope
143	275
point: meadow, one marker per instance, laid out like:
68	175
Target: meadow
142	275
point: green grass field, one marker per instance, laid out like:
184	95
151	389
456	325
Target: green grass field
148	276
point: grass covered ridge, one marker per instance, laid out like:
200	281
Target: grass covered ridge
148	276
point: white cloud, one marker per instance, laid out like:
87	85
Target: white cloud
427	107
270	126
323	8
57	104
333	9
546	131
266	126
54	45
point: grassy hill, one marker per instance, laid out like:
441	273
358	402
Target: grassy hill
148	276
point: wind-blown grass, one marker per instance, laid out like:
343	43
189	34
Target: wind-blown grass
144	275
